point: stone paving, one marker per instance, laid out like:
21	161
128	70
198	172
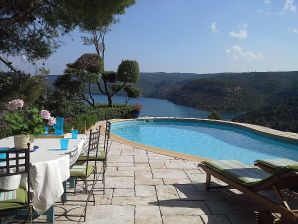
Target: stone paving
146	187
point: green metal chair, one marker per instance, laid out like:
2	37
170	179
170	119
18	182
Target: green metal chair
87	170
15	162
99	155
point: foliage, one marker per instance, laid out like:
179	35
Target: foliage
112	83
214	115
32	27
282	115
79	76
229	92
24	86
131	92
86	120
24	121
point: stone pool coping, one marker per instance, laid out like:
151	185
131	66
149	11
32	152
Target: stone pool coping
280	135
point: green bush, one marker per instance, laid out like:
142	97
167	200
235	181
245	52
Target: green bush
86	120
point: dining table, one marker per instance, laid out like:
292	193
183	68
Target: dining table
49	171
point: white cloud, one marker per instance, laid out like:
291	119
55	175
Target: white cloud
213	27
290	6
293	30
236	52
241	34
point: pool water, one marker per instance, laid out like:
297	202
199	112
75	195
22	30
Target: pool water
207	140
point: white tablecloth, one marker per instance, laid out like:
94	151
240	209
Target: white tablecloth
50	168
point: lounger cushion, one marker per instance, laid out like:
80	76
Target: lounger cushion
241	173
80	170
13	199
277	163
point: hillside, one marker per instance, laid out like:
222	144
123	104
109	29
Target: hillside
231	92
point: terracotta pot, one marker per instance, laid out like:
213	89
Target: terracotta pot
20	141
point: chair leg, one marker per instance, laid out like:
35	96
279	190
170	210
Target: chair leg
208	180
103	178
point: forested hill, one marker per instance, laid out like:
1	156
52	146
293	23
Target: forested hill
231	92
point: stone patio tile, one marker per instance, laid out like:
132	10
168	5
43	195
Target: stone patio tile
105	199
141	174
120	164
145	191
168	173
181	219
141	159
120	182
120	159
193	171
114	152
157	165
219	207
152	201
136	168
119	173
215	219
128	152
176	181
123	192
172	207
197	177
148	181
147	214
179	164
110	214
185	187
166	192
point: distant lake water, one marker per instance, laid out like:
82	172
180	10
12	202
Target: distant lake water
163	108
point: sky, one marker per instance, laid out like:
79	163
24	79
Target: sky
196	36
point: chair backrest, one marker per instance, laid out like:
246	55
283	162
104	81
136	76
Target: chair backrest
16	162
107	136
73	156
93	144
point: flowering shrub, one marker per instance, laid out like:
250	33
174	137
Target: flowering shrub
15	104
137	106
21	120
49	120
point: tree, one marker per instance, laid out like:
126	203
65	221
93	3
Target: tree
32	27
112	83
80	75
214	115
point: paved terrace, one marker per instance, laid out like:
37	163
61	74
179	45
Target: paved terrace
146	187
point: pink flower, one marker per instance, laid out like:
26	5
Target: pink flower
45	114
15	104
52	121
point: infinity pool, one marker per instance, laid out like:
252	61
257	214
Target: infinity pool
204	139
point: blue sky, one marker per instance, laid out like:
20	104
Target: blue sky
200	36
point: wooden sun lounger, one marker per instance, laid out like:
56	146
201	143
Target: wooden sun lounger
272	165
251	181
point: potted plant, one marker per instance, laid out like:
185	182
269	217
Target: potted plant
137	107
24	123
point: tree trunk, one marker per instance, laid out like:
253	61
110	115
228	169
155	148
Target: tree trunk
110	100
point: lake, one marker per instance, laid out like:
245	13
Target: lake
163	108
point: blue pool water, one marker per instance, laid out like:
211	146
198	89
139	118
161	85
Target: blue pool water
207	140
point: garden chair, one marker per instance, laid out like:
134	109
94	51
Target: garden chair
272	165
15	162
101	155
87	172
252	181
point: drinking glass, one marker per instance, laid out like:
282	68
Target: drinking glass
64	143
74	133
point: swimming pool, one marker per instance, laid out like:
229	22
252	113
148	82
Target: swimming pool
205	139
